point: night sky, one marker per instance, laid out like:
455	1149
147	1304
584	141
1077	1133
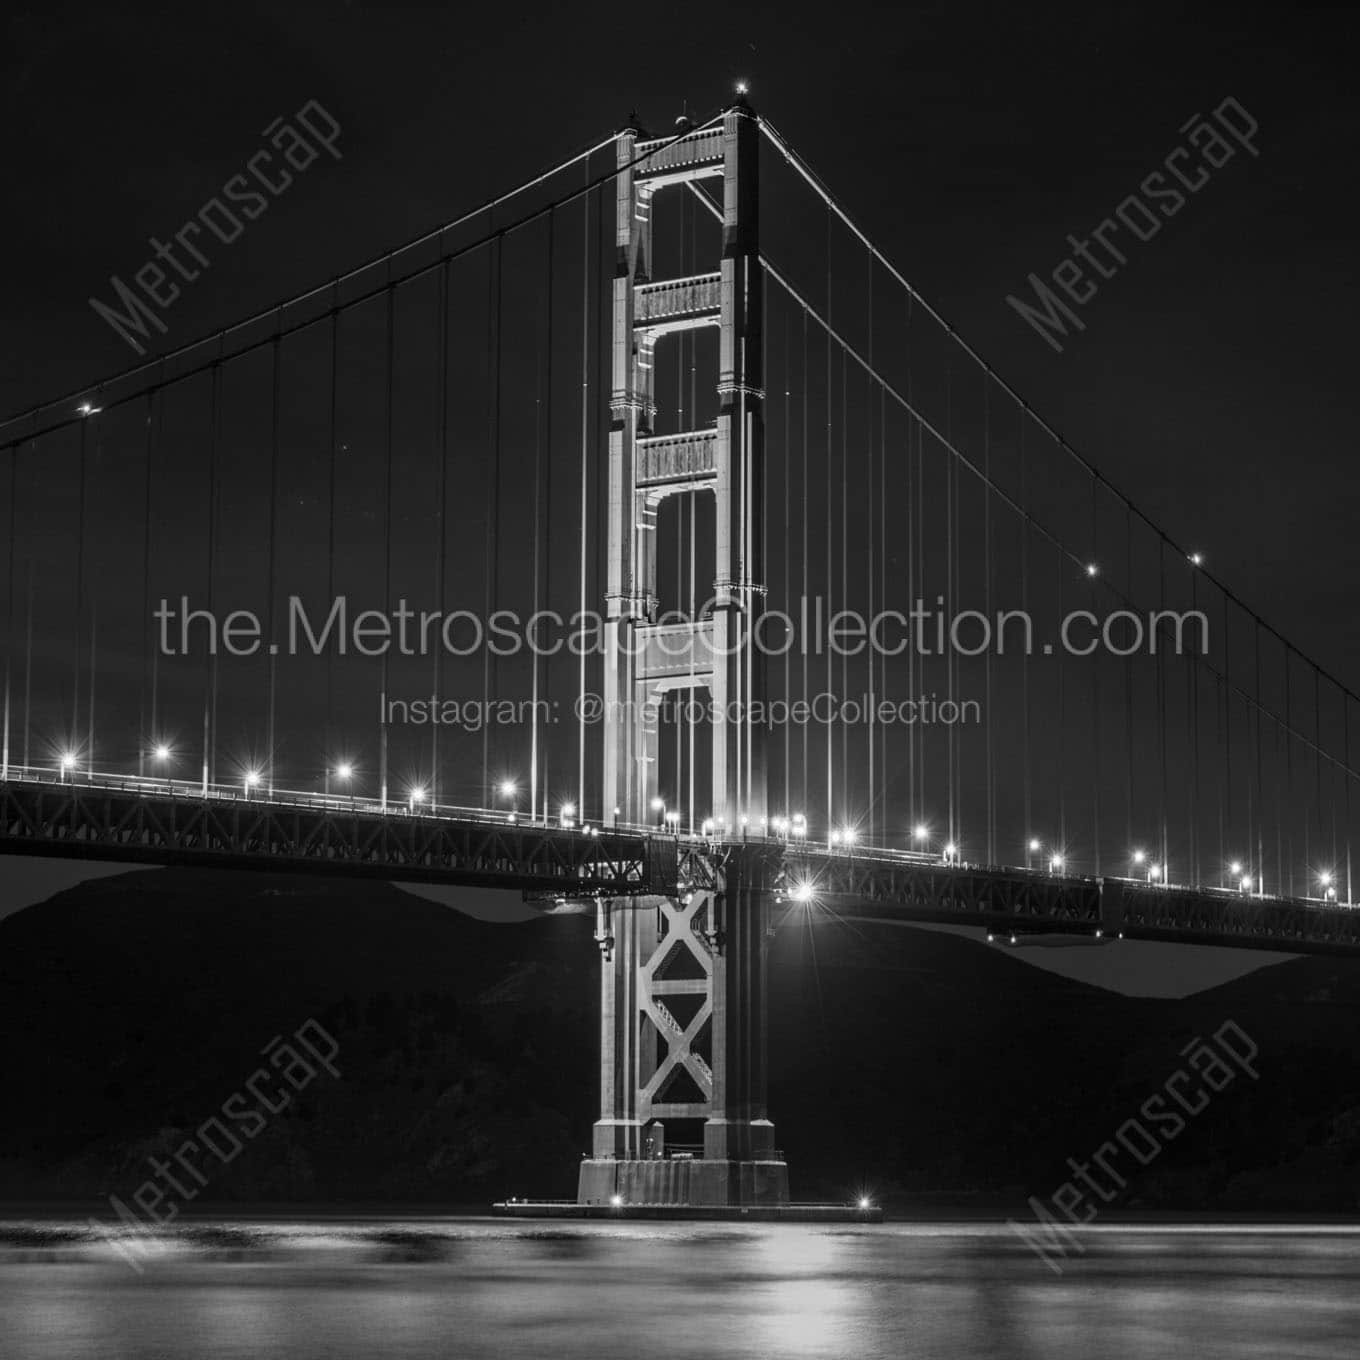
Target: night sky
1211	382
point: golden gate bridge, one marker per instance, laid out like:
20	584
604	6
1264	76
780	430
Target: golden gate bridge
669	389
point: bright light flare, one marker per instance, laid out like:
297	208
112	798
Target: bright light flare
801	892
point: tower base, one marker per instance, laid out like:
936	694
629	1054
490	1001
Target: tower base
683	1181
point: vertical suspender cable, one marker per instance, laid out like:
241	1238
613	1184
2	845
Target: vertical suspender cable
329	753
1227	719
210	676
272	569
9	601
585	482
1095	685
1161	711
441	507
787	533
1062	722
1289	764
882	595
148	653
493	519
1346	742
547	484
987	609
1192	680
1129	692
913	590
949	513
920	586
873	550
1317	752
94	620
1024	610
830	809
803	785
79	612
390	297
1260	762
535	573
845	568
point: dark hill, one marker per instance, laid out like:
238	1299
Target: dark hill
908	1060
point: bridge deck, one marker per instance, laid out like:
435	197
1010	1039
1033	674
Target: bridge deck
144	824
1008	901
147	821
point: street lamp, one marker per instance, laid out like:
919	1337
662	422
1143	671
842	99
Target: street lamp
1328	886
252	781
1055	864
566	814
1032	847
951	852
417	797
659	807
1154	872
508	790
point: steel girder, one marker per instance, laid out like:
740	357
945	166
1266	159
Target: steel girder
91	822
1011	901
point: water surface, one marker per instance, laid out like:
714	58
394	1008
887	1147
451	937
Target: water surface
405	1287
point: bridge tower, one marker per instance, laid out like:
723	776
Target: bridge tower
683	980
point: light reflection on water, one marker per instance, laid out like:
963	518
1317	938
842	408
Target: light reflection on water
451	1287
